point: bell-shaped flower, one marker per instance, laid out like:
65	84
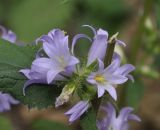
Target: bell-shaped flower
99	43
105	79
5	102
59	60
110	121
76	111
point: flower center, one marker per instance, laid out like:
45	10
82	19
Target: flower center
99	78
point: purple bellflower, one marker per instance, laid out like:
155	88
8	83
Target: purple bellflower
76	111
99	45
109	120
59	60
8	35
5	102
105	79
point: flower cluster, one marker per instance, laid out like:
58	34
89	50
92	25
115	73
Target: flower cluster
90	79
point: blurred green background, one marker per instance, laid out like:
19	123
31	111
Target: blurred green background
137	21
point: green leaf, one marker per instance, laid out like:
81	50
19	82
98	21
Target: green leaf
12	59
48	125
89	121
134	93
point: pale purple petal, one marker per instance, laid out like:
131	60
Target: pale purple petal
112	91
75	107
8	35
76	115
50	50
44	38
125	69
100	90
109	115
113	66
73	60
51	75
26	72
125	112
116	56
12	100
115	79
109	120
6	100
98	49
130	77
90	80
134	117
120	42
102	32
76	111
101	65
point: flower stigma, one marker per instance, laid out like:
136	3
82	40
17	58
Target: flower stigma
99	78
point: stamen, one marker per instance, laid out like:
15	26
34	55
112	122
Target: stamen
99	78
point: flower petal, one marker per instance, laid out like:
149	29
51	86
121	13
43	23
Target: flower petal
113	66
100	90
134	117
115	79
125	69
26	72
78	113
12	100
101	65
130	77
42	64
102	32
112	91
120	42
73	60
44	38
75	107
98	49
52	74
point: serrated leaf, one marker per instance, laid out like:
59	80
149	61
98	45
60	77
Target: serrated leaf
12	59
134	93
89	121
